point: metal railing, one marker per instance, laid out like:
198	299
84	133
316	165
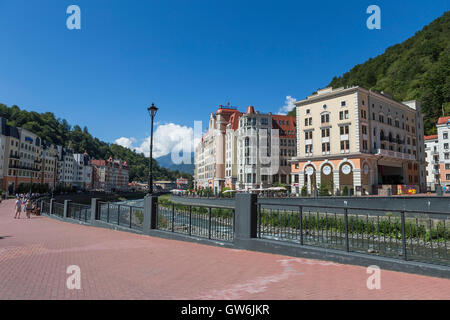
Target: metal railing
79	212
45	206
210	222
401	234
131	217
58	209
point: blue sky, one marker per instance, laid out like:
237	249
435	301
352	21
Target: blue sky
186	56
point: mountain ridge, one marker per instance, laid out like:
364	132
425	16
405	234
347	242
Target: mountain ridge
415	69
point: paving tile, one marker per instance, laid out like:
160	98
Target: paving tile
34	256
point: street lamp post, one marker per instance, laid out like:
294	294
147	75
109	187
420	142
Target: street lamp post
152	111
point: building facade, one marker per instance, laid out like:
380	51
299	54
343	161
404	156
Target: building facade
49	166
245	151
110	175
432	171
358	140
443	129
83	171
210	153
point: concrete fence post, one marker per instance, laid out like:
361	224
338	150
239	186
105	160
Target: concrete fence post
66	208
150	213
439	191
246	216
52	201
95	210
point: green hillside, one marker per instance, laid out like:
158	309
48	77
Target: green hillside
60	132
417	69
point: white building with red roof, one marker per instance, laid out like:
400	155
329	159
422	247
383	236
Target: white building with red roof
432	159
228	154
110	175
443	129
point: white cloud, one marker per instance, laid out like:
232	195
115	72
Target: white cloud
288	105
126	142
167	137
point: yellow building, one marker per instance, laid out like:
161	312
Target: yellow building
359	140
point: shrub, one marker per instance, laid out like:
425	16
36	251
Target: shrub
304	191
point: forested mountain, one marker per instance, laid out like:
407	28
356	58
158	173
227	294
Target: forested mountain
59	131
417	69
166	162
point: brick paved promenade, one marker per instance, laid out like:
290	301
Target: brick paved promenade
35	253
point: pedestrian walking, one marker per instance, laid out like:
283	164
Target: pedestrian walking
28	208
18	207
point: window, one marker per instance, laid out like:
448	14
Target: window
446	146
445	135
325	133
365	146
326	147
343	115
308	135
447	166
344	130
345	145
447	177
308	121
343	103
363	114
325	118
309	148
381	118
364	129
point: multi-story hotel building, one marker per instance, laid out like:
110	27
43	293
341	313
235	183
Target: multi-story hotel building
110	175
10	142
49	166
357	139
210	153
230	154
82	171
432	162
443	129
66	165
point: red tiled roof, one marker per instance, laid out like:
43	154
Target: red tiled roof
98	163
250	110
443	120
433	137
284	127
225	110
234	120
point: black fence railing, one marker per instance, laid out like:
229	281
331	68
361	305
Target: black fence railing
79	212
45	205
216	223
409	235
58	209
131	217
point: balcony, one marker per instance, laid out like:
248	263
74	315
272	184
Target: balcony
395	155
12	156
